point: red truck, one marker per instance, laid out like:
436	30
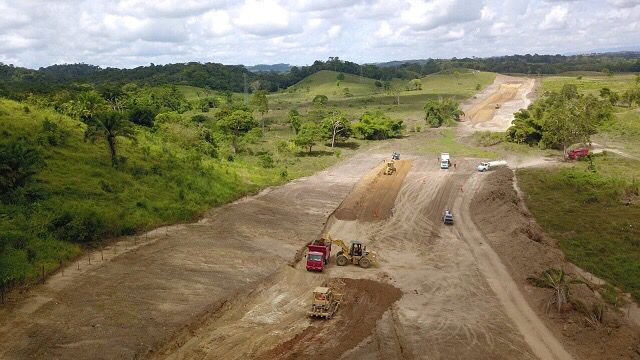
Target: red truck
318	254
578	153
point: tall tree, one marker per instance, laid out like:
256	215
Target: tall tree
295	120
309	135
109	126
336	127
441	111
236	125
260	102
18	163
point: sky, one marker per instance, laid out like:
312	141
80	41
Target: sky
129	33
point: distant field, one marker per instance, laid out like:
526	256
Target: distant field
589	84
366	96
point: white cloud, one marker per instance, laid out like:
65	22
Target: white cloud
556	18
334	31
264	17
129	33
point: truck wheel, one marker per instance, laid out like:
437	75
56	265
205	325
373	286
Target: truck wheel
364	262
341	260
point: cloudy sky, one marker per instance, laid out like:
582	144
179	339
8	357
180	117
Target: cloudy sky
127	33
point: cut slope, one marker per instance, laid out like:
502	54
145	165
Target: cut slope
375	195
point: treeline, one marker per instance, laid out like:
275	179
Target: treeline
16	82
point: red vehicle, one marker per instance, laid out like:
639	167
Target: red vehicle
318	254
578	153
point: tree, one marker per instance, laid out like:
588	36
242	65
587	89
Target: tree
559	282
310	133
109	126
336	127
260	102
18	163
142	116
320	100
442	111
416	84
340	77
376	125
88	104
236	125
295	120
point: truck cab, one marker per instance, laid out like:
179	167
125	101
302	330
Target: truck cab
578	153
318	253
445	161
447	217
484	166
315	261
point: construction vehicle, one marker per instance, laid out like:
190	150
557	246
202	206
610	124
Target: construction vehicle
318	254
447	217
395	156
325	303
389	167
484	166
445	161
578	153
356	254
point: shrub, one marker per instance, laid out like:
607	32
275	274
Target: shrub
199	118
142	116
488	138
52	134
266	161
377	126
78	225
18	163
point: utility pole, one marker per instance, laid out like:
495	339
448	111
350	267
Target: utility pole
246	90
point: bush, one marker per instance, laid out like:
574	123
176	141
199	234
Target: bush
52	134
377	126
78	225
199	118
19	161
142	116
266	161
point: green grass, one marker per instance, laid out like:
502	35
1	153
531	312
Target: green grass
443	140
594	216
165	180
589	84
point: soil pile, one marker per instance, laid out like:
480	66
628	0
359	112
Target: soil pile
364	303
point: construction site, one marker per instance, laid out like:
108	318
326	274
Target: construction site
361	261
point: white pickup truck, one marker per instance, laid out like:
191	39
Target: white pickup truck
445	161
484	166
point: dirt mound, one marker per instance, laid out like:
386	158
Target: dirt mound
526	250
374	196
364	303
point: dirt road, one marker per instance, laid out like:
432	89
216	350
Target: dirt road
493	108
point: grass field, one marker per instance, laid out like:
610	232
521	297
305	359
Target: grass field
593	216
589	84
163	181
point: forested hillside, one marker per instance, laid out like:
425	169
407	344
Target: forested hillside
16	82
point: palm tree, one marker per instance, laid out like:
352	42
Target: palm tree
557	280
109	125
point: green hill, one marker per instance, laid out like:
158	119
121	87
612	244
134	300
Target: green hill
76	198
326	82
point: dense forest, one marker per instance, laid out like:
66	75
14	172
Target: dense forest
17	82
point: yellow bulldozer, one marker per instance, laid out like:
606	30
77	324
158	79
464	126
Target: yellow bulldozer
325	303
389	167
356	253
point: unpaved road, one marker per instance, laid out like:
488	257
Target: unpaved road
222	288
493	108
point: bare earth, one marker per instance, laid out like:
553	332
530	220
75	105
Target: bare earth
493	108
229	286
